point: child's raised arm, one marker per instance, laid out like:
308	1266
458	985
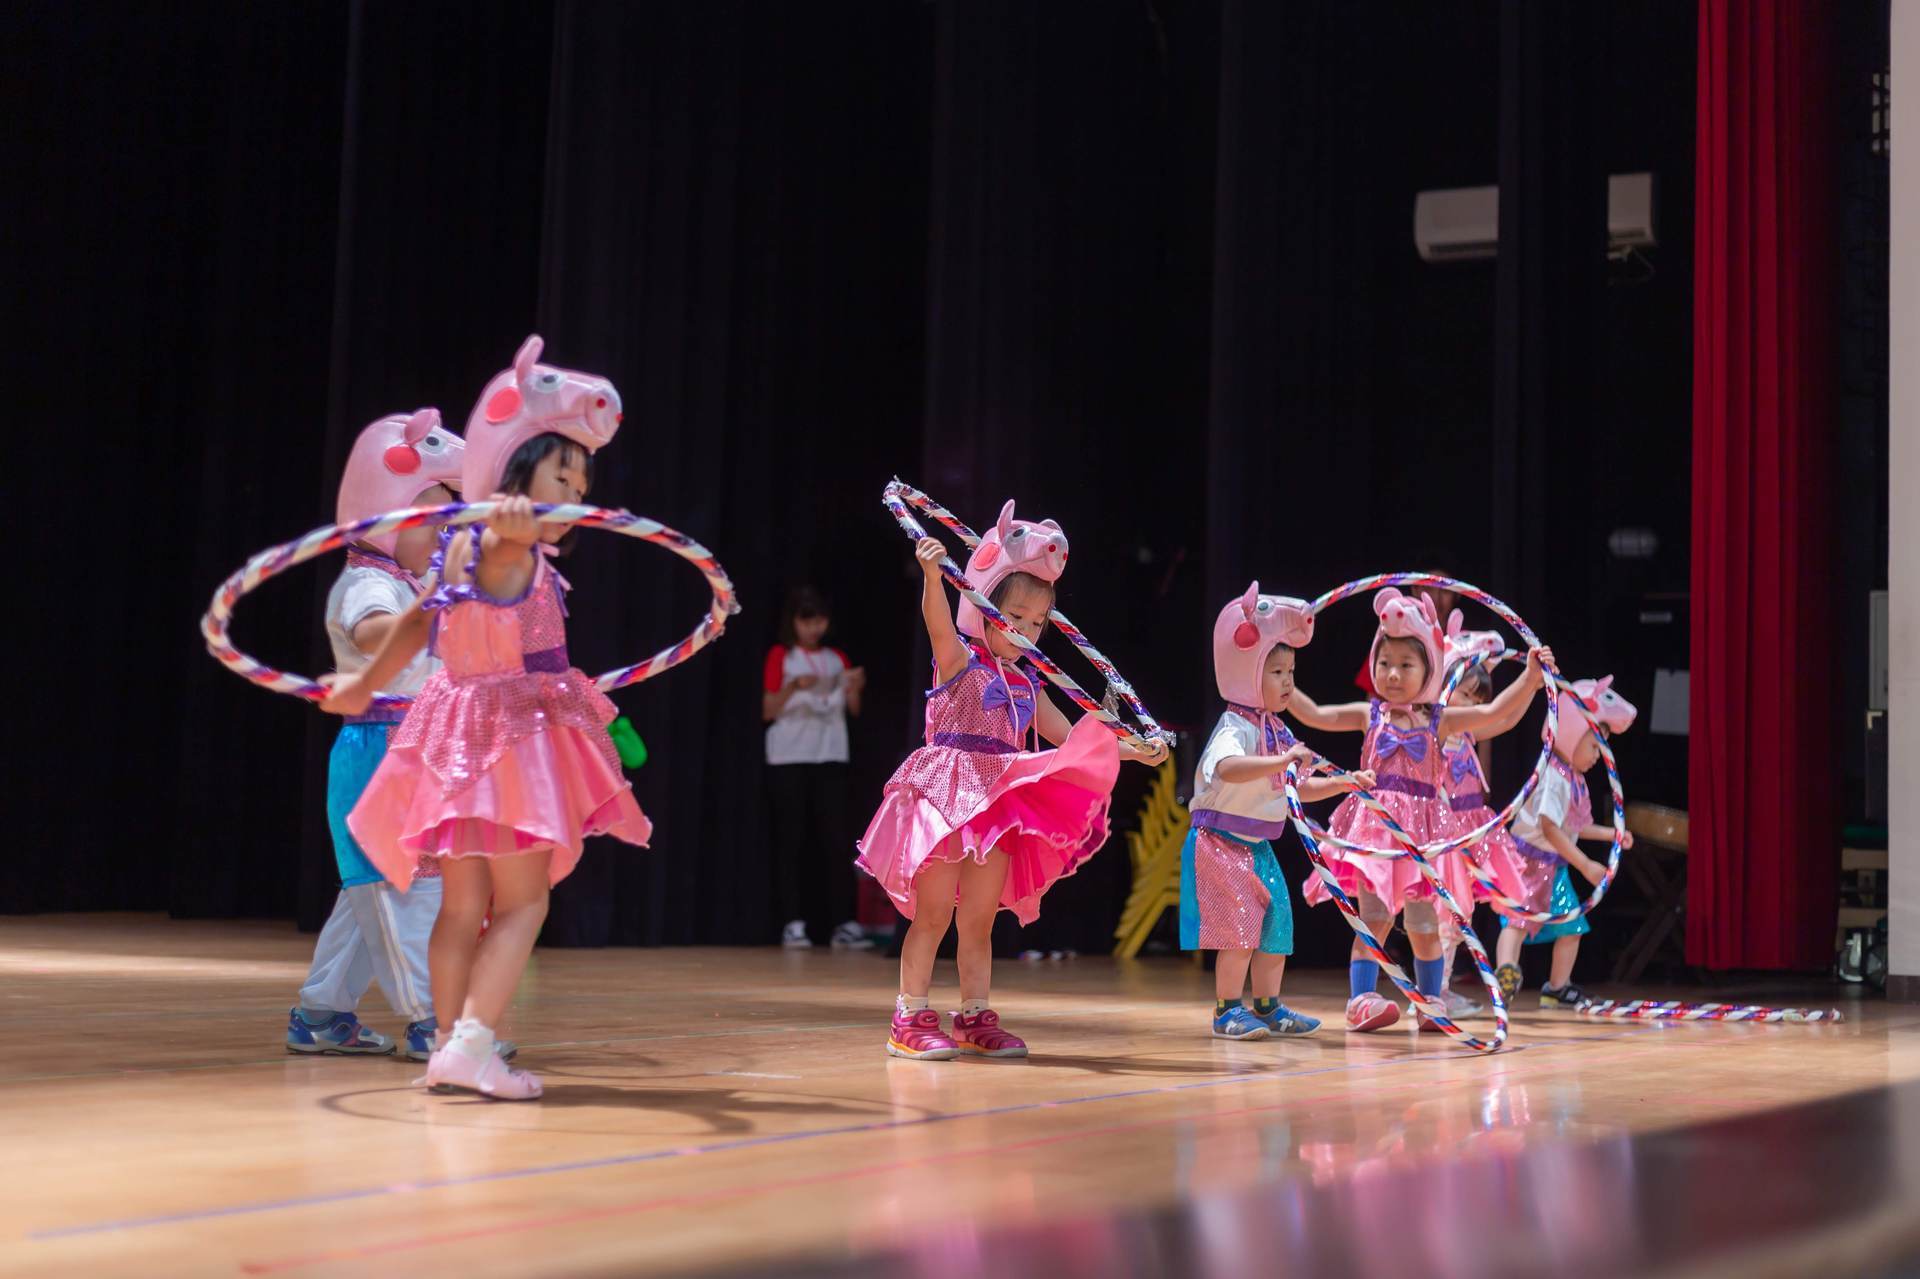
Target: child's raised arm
1347	717
505	563
1504	711
949	654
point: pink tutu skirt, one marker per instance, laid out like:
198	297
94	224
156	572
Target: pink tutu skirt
1395	881
1046	810
1494	855
494	767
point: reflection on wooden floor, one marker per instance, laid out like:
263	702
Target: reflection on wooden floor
733	1109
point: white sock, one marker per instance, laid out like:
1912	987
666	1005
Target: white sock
973	1007
909	1003
473	1039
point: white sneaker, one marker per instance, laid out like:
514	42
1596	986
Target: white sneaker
794	936
850	936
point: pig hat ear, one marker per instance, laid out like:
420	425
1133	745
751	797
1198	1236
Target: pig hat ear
1246	635
1004	525
421	424
523	359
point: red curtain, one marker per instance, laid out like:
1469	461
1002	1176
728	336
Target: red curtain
1763	861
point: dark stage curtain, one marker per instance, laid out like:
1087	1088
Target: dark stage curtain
1762	871
1142	266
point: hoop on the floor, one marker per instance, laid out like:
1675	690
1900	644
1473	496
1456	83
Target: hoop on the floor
214	626
898	496
1679	1010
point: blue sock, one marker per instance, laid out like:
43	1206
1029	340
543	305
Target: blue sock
316	1016
1429	975
1362	976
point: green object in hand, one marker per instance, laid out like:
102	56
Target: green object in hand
627	743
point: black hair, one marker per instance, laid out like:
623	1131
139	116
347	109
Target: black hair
802	601
1026	582
1476	680
517	476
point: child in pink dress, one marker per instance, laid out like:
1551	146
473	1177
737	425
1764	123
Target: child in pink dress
503	765
978	815
1468	809
1404	731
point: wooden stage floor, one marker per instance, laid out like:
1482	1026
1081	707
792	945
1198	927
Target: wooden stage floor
733	1110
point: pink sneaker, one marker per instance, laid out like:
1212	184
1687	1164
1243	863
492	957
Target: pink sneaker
1370	1012
981	1034
918	1036
451	1068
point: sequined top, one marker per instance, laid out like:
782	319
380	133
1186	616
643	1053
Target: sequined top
976	724
1464	781
1254	809
505	677
1407	760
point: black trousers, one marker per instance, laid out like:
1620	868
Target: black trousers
813	873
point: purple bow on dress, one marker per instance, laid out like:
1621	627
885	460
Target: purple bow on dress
1461	763
999	696
1392	741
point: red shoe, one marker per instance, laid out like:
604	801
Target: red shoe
981	1034
918	1037
1370	1012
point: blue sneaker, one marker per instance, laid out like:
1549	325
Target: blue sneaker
1284	1021
1239	1022
420	1036
340	1033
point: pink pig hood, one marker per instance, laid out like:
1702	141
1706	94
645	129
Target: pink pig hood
394	460
1411	617
1010	546
1464	646
528	400
1597	699
1247	630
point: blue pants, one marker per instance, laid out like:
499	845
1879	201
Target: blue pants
375	932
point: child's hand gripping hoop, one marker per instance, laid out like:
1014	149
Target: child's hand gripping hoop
275	560
899	495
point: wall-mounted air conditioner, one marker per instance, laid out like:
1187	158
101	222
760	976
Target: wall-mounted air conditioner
1462	224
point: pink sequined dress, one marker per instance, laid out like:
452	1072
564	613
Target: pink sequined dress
1410	767
1467	810
505	750
972	789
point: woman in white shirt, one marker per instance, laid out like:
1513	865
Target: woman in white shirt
808	690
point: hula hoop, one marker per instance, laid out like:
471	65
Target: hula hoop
1504	817
899	495
1312	833
274	560
1679	1010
